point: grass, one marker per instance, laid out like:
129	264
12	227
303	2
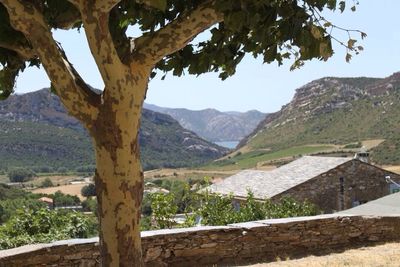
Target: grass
4	179
260	157
382	255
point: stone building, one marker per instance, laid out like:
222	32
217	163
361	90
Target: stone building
333	184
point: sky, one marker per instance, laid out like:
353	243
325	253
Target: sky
264	87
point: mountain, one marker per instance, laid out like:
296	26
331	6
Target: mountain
214	125
336	111
36	131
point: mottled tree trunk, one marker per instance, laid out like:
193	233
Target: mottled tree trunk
112	118
119	189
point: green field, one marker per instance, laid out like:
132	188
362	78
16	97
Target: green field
251	159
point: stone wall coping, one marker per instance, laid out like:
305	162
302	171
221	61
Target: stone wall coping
246	225
304	218
182	230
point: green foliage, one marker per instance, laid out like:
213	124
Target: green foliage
250	159
274	30
90	205
42	169
164	209
44	226
214	209
219	210
62	170
20	175
9	207
60	199
288	207
42	147
86	169
9	192
146	205
88	190
46	183
49	142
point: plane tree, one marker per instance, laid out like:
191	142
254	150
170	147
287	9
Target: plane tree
275	30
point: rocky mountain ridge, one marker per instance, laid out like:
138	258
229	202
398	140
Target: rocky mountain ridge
214	125
335	111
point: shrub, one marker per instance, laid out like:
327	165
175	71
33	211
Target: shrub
43	169
60	199
88	190
44	226
86	169
62	170
20	175
164	209
46	183
90	204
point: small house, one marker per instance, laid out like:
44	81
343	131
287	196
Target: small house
331	183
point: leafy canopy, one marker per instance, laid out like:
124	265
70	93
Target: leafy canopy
273	29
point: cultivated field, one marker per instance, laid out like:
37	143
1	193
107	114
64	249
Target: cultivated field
382	255
71	189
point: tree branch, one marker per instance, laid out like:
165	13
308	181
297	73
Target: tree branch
95	18
25	52
76	96
101	5
177	34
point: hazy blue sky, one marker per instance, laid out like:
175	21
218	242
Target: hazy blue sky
256	86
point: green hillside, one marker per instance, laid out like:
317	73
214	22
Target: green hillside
29	144
36	131
336	111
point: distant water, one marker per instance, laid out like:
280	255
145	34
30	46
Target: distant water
228	144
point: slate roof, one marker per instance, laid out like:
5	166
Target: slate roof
388	205
266	184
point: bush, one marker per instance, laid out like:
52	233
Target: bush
86	169
88	190
9	207
90	204
20	175
62	170
61	200
43	169
164	209
44	226
46	183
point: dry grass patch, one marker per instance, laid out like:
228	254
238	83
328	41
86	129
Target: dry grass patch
183	173
72	189
55	179
395	169
382	255
369	144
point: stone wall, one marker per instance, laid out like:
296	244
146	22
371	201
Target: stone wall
361	182
224	245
